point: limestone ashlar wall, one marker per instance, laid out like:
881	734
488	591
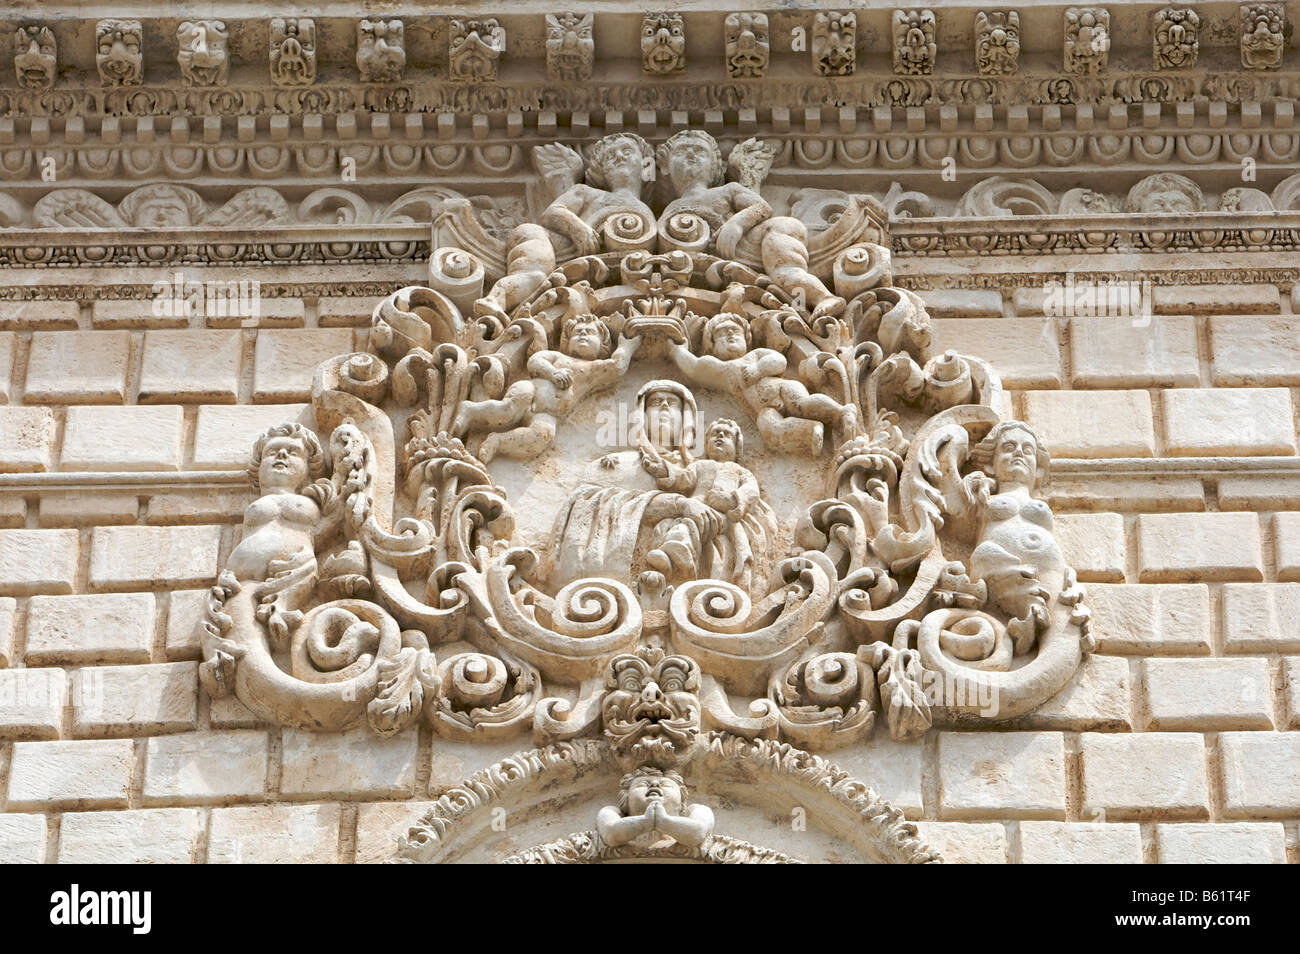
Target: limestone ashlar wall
1179	741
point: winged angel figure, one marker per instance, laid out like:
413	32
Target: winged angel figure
159	206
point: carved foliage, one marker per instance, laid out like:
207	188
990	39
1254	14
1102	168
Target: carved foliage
119	52
834	43
746	44
293	51
663	43
35	56
475	48
381	50
1087	39
914	46
997	42
570	46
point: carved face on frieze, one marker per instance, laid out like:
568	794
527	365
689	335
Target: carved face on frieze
162	207
570	45
118	52
1165	193
620	161
201	52
663	42
997	42
381	51
285	458
35	57
652	710
833	43
1013	455
747	47
726	336
586	337
648	784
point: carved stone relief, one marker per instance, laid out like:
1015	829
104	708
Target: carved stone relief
1087	39
381	50
293	51
201	52
914	46
1264	31
1175	43
35	56
746	45
834	43
663	43
570	46
997	42
119	53
475	48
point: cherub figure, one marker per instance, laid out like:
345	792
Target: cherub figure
789	418
529	263
617	167
692	163
523	420
743	525
653	809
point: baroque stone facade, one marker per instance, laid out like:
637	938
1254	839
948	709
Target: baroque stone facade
739	437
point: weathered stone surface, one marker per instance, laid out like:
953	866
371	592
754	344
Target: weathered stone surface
82	774
1223	844
1067	422
153	556
190	366
379	827
158	836
26	439
78	367
1286	529
31	703
22	839
285	361
1119	353
1261	617
1157	774
1007	775
37	561
347	764
1176	547
1255	351
203	768
967	844
1208	694
1093	543
223	435
1216	299
90	629
8	606
135	700
1025	351
1149	620
1261	774
1080	843
1096	697
280	834
123	438
1229	422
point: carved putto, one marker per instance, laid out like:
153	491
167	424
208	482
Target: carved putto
35	56
570	46
160	206
1087	39
201	52
475	48
381	50
914	46
771	511
119	54
293	51
746	44
997	42
1264	31
1175	43
1165	193
663	43
834	43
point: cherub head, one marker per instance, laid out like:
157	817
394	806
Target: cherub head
1165	192
285	458
162	206
621	161
1012	454
726	336
691	158
647	783
723	440
586	337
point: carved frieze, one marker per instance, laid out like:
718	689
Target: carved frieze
475	48
1176	39
834	43
119	52
997	42
36	54
663	43
202	53
914	46
1087	39
1264	31
293	51
746	45
381	50
570	46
